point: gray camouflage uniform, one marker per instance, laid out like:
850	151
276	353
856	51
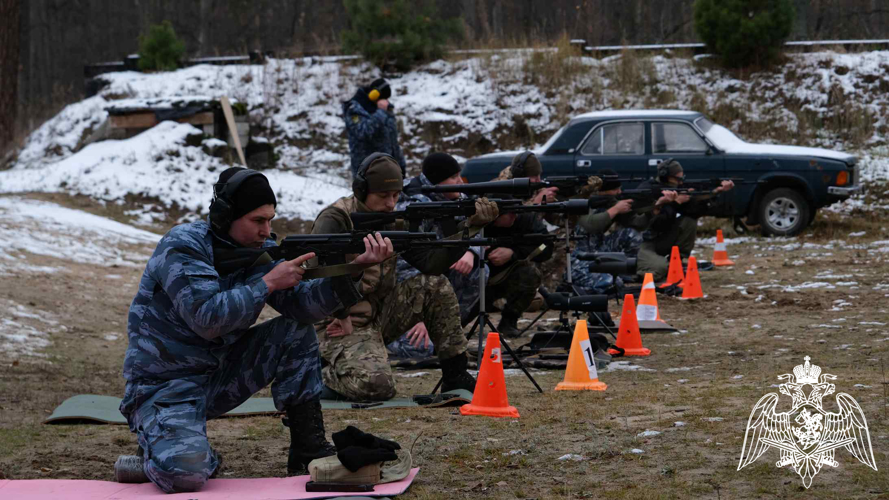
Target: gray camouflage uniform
194	352
625	237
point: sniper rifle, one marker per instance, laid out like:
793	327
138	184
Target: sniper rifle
417	212
229	260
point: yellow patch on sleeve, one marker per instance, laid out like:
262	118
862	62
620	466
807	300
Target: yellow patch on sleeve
356	118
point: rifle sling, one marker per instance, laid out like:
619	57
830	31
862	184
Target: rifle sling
497	278
335	270
319	272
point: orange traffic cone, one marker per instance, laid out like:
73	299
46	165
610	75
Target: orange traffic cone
628	337
647	309
489	397
692	288
720	255
581	373
674	274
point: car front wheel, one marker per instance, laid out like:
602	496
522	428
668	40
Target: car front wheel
784	212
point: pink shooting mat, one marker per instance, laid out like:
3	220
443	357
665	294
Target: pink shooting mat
273	488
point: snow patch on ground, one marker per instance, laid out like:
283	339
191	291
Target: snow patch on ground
159	164
24	330
298	103
42	228
625	366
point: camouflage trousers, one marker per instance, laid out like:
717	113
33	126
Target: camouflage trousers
518	288
625	240
170	417
654	254
467	290
357	364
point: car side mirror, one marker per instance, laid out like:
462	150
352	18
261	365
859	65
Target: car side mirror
710	150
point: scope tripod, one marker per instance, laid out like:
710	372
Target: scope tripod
484	320
563	321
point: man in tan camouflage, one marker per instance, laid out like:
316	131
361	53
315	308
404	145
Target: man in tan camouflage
353	344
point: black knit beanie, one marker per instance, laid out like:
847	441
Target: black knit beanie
251	194
438	167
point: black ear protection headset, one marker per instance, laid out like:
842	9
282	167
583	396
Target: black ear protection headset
519	163
663	168
381	92
222	208
359	183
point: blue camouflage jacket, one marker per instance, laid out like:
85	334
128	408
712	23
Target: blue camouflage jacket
371	132
185	316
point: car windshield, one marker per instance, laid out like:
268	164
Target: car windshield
542	149
720	136
704	124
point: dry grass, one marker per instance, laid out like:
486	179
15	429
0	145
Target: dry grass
469	457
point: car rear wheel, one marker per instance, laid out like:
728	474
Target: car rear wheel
784	212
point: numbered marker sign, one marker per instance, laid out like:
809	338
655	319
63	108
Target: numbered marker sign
646	312
588	358
495	355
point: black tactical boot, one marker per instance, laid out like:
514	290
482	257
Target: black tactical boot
307	440
454	375
508	325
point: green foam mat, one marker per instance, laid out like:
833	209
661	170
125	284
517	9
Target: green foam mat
104	409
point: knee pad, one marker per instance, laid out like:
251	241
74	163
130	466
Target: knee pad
181	472
377	386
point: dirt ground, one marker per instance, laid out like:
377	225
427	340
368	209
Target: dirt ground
824	294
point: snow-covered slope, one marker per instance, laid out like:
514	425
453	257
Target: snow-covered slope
159	164
465	107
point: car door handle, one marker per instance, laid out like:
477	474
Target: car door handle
584	163
653	162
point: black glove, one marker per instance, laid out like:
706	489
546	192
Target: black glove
356	457
353	436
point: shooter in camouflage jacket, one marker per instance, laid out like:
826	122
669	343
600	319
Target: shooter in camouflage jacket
195	353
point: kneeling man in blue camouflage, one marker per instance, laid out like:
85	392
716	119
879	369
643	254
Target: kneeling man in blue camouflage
195	353
353	342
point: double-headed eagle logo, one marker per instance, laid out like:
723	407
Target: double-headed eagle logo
807	435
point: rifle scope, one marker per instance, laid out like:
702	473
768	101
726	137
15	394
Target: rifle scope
609	262
582	303
516	187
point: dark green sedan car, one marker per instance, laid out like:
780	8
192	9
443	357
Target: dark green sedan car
791	183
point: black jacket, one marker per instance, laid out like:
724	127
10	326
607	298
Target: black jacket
670	213
526	223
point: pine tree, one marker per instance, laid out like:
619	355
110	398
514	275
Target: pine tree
744	32
397	33
161	49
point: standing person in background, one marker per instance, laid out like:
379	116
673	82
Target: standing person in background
371	125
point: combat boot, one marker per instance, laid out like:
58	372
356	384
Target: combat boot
454	375
508	325
307	440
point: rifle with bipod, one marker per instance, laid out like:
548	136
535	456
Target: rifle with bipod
229	260
416	212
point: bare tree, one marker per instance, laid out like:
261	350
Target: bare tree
9	70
